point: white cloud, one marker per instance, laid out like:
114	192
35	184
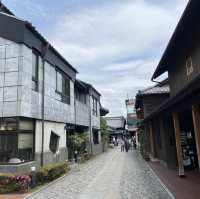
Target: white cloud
117	45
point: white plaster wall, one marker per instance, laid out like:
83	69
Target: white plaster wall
57	128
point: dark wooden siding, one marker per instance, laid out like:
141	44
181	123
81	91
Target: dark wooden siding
150	102
178	77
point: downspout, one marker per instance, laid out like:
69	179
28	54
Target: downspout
46	47
90	117
73	148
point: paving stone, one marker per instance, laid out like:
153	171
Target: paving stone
112	175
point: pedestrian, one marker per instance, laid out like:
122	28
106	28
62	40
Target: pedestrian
134	142
122	145
76	156
126	145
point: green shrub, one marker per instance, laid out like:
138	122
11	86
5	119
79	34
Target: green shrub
51	172
20	182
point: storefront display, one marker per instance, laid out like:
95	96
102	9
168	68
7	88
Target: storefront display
188	149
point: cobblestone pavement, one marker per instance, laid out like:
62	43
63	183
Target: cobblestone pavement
112	175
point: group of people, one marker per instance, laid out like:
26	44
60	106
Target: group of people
127	143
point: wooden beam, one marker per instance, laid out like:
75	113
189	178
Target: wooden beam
178	144
151	139
196	123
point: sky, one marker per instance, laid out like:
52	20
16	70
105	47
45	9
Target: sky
114	44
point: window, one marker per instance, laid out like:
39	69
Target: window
95	136
54	142
59	82
63	86
94	106
16	140
16	147
66	90
35	63
80	96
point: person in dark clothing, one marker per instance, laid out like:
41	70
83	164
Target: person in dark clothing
122	145
126	145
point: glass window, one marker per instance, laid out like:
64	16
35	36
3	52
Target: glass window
58	82
66	90
54	142
35	62
63	86
80	96
94	107
16	147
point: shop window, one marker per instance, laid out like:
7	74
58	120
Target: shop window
54	142
35	64
95	136
63	86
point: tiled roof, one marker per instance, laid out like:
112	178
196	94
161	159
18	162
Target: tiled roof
155	90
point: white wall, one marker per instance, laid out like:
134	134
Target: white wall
57	128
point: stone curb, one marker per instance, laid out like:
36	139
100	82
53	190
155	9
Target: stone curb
159	180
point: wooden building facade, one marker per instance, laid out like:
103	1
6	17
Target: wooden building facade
179	115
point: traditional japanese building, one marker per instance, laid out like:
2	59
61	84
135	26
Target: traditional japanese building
88	111
146	102
117	124
180	113
40	99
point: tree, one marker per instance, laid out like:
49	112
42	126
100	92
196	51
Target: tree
77	142
104	132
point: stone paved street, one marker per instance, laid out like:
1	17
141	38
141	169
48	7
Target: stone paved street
113	175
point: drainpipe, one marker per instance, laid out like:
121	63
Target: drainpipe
45	49
74	118
90	117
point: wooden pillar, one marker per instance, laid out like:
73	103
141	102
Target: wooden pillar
178	144
151	139
196	123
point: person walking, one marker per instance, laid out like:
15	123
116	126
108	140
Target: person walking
126	145
122	145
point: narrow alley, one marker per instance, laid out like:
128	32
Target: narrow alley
112	175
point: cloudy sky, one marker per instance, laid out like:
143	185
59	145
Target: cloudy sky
114	44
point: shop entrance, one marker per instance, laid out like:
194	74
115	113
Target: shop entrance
190	160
